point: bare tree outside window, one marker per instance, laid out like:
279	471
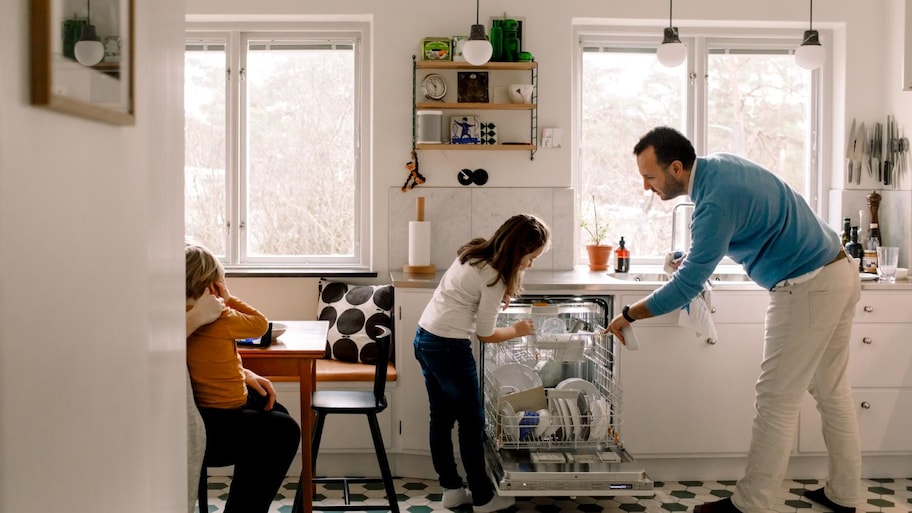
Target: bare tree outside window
272	167
757	106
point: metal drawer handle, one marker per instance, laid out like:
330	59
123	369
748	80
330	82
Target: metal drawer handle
711	341
866	405
712	309
868	308
867	340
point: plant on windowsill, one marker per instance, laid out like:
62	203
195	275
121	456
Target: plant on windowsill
597	229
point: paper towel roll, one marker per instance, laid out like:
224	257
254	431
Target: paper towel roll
419	243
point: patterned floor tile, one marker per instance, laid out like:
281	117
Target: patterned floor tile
423	496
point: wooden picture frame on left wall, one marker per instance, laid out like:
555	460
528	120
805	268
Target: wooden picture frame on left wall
102	87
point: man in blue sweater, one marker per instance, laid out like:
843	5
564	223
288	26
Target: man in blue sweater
745	212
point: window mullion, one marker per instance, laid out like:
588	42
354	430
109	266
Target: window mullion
239	149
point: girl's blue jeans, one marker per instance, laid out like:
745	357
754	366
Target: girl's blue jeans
451	377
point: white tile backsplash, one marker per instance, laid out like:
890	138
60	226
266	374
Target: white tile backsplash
458	214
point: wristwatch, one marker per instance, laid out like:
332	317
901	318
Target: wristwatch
626	313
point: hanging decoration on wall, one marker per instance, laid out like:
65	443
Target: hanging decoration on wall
414	177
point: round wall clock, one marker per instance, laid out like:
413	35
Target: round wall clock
434	86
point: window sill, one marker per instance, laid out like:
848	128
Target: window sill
290	272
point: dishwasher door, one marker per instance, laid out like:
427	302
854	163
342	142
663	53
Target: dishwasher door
553	404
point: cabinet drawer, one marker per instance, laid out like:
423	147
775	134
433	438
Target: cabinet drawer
883	307
883	421
669	319
739	307
881	355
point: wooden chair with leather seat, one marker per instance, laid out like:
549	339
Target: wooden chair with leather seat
355	402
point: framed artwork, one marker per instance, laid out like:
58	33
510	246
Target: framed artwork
465	129
472	87
82	58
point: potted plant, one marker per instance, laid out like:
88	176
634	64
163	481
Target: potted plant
597	229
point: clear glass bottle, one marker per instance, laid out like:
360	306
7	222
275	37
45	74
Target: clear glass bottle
622	258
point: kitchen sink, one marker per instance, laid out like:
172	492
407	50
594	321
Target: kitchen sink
655	277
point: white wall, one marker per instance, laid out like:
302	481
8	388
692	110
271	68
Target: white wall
92	371
864	61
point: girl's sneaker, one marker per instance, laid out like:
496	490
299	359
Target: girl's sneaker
453	498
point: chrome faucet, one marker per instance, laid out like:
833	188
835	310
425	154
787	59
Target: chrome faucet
674	222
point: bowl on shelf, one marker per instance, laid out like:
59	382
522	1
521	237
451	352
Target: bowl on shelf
520	93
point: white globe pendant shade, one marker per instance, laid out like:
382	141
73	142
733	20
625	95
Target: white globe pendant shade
89	53
477	50
89	50
672	52
810	55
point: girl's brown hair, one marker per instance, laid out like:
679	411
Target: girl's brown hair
203	269
521	235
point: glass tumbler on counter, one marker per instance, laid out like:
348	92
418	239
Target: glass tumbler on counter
887	260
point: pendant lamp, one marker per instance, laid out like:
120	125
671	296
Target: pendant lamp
477	50
810	55
672	52
89	50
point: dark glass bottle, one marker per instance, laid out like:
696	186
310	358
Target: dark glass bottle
854	248
622	255
497	41
511	44
846	231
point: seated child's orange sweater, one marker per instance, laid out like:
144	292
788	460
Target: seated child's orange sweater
216	370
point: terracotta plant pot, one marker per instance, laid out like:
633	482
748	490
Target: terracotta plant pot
598	257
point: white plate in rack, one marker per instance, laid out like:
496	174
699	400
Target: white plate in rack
580	385
509	423
518	376
566	420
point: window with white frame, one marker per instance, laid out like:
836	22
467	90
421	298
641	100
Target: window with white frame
275	173
740	95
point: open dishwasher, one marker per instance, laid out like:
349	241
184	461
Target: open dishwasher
553	405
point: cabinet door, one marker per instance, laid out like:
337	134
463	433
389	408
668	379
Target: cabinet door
883	421
683	395
411	419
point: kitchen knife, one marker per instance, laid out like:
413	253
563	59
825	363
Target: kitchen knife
856	152
888	149
877	150
850	149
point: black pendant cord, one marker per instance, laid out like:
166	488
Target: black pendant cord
670	5
477	10
811	22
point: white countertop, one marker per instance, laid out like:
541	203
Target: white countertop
581	280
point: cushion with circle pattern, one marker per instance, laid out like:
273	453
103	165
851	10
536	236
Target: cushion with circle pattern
354	312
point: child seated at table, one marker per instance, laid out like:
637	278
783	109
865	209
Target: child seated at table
245	426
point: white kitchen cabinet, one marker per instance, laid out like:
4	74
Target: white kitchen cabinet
411	404
689	395
880	371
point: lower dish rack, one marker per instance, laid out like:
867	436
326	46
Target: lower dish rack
556	393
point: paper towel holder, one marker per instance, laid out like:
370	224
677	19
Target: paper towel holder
419	269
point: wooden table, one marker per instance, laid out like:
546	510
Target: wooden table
293	355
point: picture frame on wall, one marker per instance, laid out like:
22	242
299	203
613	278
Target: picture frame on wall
80	80
472	87
465	129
